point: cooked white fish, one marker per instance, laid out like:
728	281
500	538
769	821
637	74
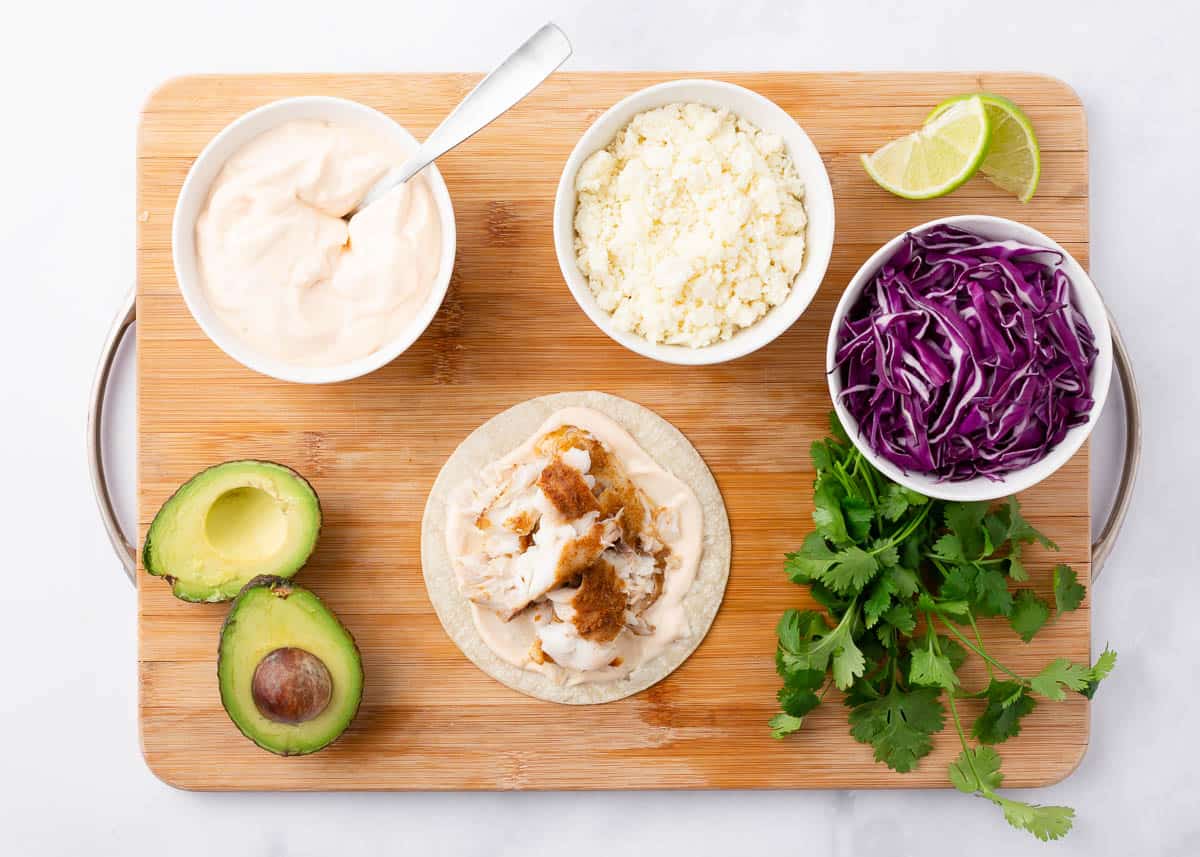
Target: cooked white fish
568	536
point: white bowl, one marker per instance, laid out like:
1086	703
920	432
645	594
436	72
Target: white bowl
818	205
194	195
1088	301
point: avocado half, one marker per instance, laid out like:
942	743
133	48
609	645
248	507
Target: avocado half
290	673
230	523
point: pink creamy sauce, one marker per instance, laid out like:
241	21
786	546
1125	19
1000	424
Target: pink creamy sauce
512	640
287	275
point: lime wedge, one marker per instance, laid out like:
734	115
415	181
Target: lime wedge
1013	161
938	158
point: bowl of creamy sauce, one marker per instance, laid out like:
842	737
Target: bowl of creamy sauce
269	268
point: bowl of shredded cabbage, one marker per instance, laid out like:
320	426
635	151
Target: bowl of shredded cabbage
969	357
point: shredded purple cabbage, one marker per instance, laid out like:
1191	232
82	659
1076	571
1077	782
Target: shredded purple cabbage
966	357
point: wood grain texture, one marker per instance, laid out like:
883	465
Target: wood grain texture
372	447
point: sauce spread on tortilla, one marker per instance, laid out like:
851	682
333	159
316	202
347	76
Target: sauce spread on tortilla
576	550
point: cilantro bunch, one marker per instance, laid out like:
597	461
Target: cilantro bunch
903	578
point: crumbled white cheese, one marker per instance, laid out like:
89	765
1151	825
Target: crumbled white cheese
690	225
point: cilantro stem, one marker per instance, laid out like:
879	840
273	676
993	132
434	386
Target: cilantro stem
958	727
979	639
844	478
962	736
865	477
934	558
906	532
977	650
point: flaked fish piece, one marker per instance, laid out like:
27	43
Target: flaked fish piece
610	596
640	574
615	492
587	619
559	643
564	487
507	584
584	620
570	537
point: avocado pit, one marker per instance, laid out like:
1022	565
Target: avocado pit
291	685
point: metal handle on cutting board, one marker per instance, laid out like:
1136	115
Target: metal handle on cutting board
127	554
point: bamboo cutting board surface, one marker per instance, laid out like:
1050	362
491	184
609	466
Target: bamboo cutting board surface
372	448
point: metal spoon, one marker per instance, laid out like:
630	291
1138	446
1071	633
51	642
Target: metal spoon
507	84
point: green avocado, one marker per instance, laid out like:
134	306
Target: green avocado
289	672
230	523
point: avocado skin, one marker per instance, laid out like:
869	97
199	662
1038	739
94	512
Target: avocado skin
283	587
201	596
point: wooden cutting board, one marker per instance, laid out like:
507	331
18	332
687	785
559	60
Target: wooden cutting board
509	330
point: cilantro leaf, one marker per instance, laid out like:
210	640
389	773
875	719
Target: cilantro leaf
992	597
811	561
796	626
859	516
892	503
798	699
949	547
1016	570
910	549
853	569
848	663
955	608
783	725
953	651
838	430
895	500
827	512
965	521
822	455
1044	822
899	725
827	598
985	589
1060	673
995	526
977	769
931	667
801	661
900	617
1029	614
1020	530
1099	671
1104	664
885	552
1068	591
1007	703
805	645
904	579
959	584
879	600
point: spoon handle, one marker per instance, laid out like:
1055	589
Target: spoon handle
507	84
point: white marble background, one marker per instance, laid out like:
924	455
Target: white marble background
73	77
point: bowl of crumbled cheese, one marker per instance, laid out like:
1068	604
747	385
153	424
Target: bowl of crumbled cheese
694	221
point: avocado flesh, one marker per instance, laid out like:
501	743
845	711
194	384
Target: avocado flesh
230	523
274	613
